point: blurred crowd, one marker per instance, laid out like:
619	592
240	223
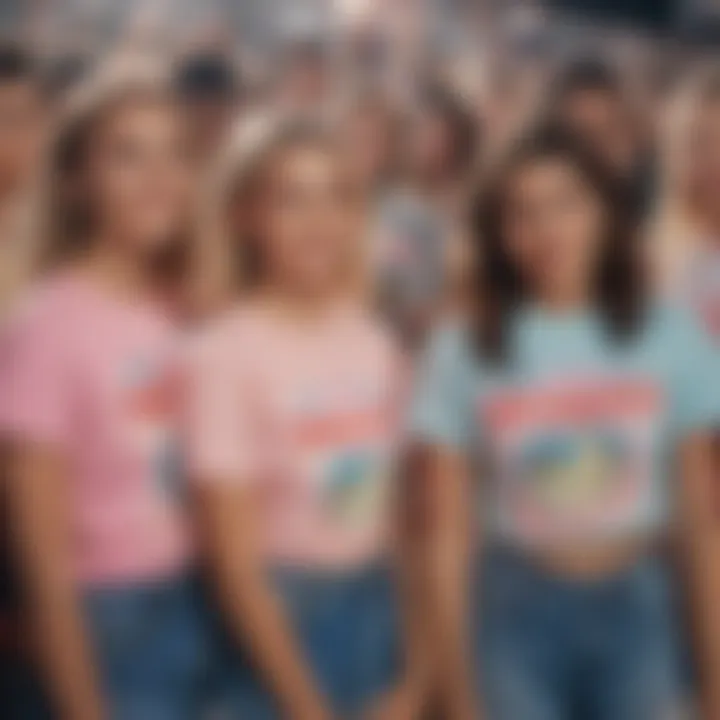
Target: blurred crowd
358	360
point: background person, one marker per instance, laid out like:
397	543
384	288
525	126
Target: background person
590	98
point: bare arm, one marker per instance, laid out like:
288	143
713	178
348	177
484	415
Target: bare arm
228	522
447	560
411	697
700	542
39	513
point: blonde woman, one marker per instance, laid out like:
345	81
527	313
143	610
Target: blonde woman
89	409
292	431
684	240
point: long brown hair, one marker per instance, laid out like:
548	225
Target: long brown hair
499	290
67	215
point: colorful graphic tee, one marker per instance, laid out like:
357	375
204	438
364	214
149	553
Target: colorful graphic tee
306	418
574	453
574	434
97	380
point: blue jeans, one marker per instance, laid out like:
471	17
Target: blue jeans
555	649
346	627
151	646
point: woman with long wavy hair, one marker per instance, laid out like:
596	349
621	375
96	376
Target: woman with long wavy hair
567	403
292	427
90	411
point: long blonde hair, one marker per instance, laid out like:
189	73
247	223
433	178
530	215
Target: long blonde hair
227	261
672	232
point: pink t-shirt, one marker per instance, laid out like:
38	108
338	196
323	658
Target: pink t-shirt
95	378
305	416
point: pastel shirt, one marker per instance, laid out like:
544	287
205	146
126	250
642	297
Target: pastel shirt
304	416
94	379
699	287
575	434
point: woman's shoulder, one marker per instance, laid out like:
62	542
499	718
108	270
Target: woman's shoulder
54	299
451	343
46	318
675	325
235	324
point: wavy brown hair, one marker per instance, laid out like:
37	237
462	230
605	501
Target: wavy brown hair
499	289
67	222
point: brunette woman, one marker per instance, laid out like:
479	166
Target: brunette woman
581	413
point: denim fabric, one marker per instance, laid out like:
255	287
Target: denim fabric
151	645
346	626
554	649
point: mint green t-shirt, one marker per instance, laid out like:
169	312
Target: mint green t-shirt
575	433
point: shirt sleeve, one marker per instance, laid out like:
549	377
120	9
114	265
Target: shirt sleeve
441	404
697	391
36	380
217	414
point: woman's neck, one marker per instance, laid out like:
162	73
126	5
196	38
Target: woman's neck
11	190
302	308
711	233
564	301
10	200
704	223
118	271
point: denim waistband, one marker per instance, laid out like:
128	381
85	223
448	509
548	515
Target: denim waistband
504	559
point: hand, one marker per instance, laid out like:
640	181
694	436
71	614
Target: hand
404	702
462	704
313	709
316	714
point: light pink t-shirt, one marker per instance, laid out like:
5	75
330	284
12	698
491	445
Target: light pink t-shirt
96	379
305	415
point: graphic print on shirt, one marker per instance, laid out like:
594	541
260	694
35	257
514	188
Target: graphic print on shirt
573	457
343	445
150	387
